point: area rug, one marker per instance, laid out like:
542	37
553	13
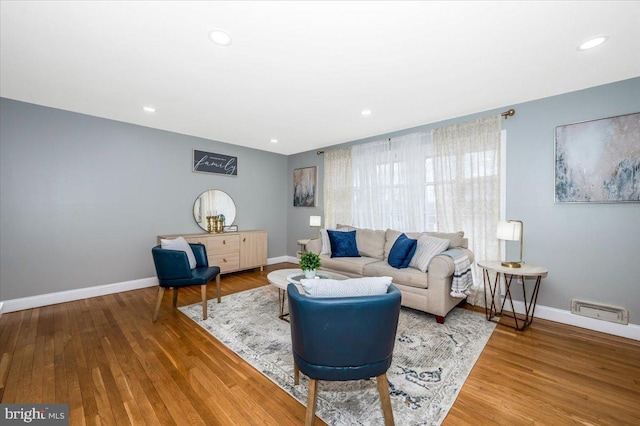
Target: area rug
431	361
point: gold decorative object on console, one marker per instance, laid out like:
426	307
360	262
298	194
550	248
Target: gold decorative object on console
220	223
211	226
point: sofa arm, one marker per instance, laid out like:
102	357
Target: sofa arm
442	265
314	246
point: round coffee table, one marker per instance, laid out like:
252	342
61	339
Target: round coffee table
283	277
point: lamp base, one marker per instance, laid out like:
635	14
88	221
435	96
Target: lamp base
512	264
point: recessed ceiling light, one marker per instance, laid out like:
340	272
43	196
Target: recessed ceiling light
274	141
220	37
149	109
366	112
594	42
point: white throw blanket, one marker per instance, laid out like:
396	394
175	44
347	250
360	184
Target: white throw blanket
462	277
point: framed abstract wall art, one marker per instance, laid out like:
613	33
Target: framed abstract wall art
304	187
598	161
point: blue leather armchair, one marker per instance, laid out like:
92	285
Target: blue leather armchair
172	268
346	338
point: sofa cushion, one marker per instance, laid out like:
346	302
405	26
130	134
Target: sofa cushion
343	244
402	252
390	237
428	248
456	239
409	276
352	287
346	265
370	242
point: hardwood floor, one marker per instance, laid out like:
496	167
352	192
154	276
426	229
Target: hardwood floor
114	366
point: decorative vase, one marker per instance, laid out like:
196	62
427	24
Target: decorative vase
310	273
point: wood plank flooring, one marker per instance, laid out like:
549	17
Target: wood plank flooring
106	358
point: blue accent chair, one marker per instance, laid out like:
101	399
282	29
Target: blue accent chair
172	268
344	338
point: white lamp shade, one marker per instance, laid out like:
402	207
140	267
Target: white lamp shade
510	231
315	220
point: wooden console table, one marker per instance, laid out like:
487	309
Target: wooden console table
231	251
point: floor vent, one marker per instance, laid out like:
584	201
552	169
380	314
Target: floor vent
600	311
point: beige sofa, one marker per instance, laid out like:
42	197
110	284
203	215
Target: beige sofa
428	292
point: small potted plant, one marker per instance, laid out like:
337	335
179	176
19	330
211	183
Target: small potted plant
309	262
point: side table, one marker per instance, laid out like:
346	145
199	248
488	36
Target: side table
303	247
521	274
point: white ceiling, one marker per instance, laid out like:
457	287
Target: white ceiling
302	72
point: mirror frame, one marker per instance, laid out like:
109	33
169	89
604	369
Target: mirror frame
230	216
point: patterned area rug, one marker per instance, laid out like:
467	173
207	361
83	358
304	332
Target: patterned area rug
430	361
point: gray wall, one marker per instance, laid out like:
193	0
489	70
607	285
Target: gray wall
298	223
83	198
591	250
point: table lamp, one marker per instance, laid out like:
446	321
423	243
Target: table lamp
511	230
315	222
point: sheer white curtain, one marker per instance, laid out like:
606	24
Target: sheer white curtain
467	184
389	184
338	187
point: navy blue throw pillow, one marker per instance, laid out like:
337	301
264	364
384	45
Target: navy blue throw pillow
343	244
402	251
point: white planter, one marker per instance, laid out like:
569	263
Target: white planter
310	274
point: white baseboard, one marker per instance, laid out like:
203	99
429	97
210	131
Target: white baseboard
281	259
22	303
630	331
12	305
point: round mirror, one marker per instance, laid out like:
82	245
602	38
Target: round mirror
213	203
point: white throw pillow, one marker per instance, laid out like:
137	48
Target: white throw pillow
326	243
180	244
428	248
367	286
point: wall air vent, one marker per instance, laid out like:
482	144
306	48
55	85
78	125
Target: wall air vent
600	311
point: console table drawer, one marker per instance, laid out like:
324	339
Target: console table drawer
223	244
226	261
231	251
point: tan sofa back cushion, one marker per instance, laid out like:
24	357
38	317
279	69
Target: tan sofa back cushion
370	243
378	244
456	239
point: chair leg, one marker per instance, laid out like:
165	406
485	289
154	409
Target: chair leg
158	302
296	374
175	297
203	290
311	402
218	286
385	400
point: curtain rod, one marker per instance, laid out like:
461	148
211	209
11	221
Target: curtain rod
506	115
